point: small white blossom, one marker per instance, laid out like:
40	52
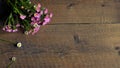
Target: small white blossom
35	25
30	2
13	58
28	10
19	44
26	32
22	7
34	6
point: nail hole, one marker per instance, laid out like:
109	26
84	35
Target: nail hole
71	5
117	48
76	39
103	5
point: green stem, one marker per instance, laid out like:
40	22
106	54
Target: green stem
14	7
8	66
6	41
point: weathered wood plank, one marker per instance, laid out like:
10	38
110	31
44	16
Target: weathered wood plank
83	11
77	11
66	43
111	11
65	46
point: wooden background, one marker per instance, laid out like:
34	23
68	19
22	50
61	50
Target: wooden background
82	34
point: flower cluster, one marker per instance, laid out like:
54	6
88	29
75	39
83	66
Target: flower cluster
24	14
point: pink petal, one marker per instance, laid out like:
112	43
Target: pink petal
18	25
3	28
9	30
35	30
45	11
51	15
37	15
38	7
41	12
22	16
33	19
47	20
15	30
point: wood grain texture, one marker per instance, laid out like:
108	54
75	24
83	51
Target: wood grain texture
82	34
83	11
63	46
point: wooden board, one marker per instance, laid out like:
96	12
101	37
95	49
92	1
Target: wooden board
64	46
83	11
82	34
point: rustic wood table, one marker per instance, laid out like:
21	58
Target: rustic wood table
82	34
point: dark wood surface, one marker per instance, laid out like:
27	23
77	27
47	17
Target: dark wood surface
82	34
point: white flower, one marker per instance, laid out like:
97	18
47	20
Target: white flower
28	10
34	6
35	25
30	2
13	58
19	44
26	32
22	7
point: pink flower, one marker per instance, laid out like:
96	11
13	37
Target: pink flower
38	7
22	16
32	23
9	30
46	20
51	15
45	11
15	30
35	30
34	19
18	25
41	12
37	15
